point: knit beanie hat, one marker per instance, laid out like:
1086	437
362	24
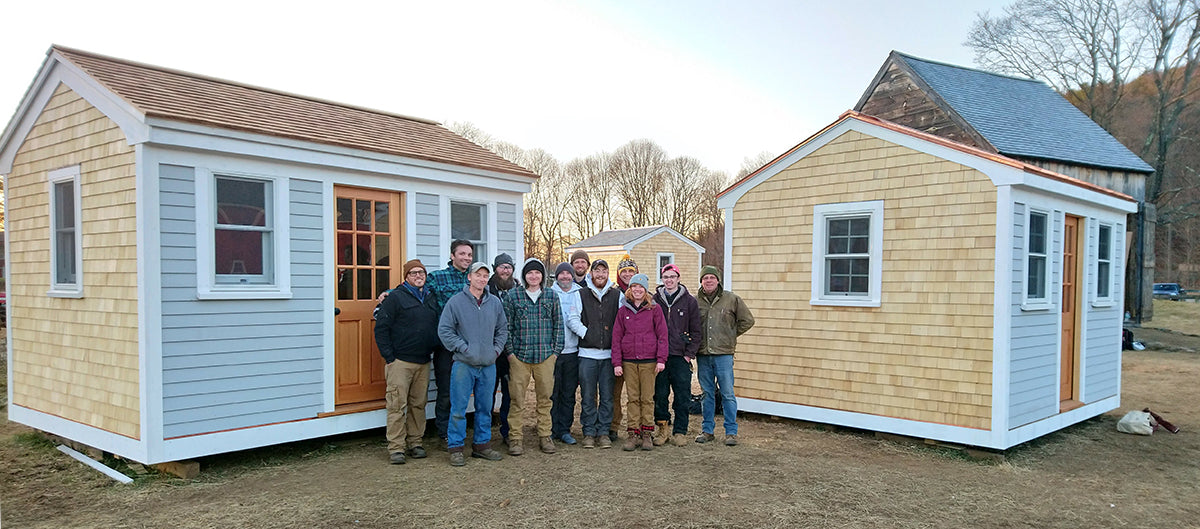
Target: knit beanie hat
502	259
477	265
710	269
577	255
598	263
627	262
533	263
563	267
670	268
409	266
640	279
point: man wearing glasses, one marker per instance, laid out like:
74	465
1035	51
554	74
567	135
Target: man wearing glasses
406	333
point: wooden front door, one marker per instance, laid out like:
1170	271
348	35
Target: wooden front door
1068	376
369	258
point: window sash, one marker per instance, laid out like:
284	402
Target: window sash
468	221
847	255
1036	259
1104	262
243	245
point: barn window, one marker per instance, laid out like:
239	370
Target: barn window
241	250
66	244
1104	262
847	254
1037	278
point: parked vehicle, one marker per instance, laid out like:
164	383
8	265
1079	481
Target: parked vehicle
1169	291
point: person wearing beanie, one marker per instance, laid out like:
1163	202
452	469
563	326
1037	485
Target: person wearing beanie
473	327
445	284
626	269
535	338
600	300
406	334
723	317
566	367
682	314
580	265
501	283
639	352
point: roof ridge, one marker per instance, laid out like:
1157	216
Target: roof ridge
93	55
960	67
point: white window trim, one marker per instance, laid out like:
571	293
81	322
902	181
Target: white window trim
66	290
488	223
206	285
823	212
1027	303
1109	300
657	261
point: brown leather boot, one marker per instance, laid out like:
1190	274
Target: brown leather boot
632	438
661	433
647	438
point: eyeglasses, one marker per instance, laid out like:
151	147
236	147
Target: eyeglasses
416	272
673	276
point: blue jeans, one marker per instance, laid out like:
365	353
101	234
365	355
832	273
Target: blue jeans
717	371
464	380
595	379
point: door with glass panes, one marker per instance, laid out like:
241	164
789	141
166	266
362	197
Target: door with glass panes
370	242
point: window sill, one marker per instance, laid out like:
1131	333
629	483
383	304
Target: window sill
1036	307
243	293
70	294
1103	304
849	302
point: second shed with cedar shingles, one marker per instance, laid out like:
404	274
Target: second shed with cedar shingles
651	247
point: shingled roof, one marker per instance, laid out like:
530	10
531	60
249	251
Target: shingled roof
614	237
1015	117
180	96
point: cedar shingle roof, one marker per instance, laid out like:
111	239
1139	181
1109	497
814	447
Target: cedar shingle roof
181	96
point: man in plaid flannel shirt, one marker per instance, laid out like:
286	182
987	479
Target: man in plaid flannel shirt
444	284
535	338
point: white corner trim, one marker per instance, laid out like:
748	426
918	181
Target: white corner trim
1002	310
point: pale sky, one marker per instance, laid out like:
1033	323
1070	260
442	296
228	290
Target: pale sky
717	80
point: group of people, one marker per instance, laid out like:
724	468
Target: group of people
485	328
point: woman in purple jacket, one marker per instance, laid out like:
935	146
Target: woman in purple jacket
639	352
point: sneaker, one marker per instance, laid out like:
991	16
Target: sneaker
589	441
487	453
679	439
567	439
704	438
603	442
396	458
612	435
515	448
547	445
731	440
457	459
632	439
416	452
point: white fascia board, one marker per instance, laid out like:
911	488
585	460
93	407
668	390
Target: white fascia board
55	71
1065	190
192	136
644	238
107	441
1001	310
876	423
257	436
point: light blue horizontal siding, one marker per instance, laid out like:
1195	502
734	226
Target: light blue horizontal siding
427	232
1033	361
506	228
238	363
1102	348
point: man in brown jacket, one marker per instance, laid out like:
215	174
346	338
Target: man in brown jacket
723	317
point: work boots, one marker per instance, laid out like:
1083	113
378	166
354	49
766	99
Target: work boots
648	440
632	440
661	433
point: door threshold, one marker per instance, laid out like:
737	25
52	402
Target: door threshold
356	407
1068	405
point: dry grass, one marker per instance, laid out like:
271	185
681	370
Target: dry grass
783	475
1177	316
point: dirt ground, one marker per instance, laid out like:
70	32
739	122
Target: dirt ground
784	474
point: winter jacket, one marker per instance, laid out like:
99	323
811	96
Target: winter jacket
723	317
640	333
535	328
474	331
683	321
406	327
599	313
572	308
446	283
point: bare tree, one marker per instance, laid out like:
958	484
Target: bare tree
589	200
637	170
680	200
753	163
469	131
1175	33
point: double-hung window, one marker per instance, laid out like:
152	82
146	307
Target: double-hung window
66	244
1104	262
664	259
469	222
241	235
1037	271
847	254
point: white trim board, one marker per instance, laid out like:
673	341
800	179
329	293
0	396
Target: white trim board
94	437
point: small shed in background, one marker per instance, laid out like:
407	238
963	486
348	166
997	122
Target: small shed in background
652	247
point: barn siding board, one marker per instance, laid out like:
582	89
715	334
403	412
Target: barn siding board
939	340
201	339
506	229
427	231
77	358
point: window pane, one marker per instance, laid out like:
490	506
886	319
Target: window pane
466	222
1036	282
362	214
858	284
381	281
860	227
364	284
345	248
859	245
1037	233
860	266
345	283
838	283
381	217
344	214
239	252
364	250
1105	241
838	245
1102	280
241	202
839	227
839	266
64	207
64	263
382	250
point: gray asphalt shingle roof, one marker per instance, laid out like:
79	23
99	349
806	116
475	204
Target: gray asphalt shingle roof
1024	117
613	237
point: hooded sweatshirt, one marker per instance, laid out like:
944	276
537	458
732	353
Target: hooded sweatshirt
474	331
572	310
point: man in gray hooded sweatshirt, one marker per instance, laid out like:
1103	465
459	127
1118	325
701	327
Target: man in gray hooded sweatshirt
474	329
